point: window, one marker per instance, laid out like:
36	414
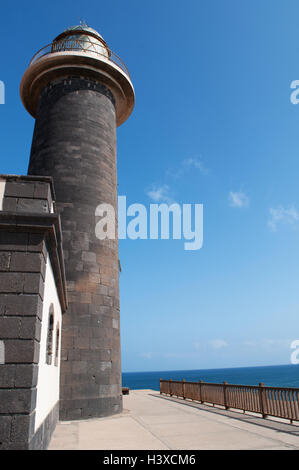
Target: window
57	345
49	351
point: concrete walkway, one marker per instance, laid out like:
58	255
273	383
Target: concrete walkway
151	421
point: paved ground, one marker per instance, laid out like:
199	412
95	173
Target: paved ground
153	421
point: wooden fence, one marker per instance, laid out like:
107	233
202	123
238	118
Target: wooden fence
268	401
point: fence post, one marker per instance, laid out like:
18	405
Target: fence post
160	386
200	391
184	394
225	394
262	398
170	380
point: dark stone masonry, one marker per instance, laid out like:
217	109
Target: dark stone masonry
75	142
29	232
51	262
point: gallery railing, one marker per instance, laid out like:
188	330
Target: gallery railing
268	401
89	47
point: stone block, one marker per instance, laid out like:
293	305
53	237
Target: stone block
7	375
13	241
42	190
89	256
19	400
4	261
5	429
19	189
20	305
32	205
21	351
25	375
22	427
36	242
30	328
10	204
82	343
9	327
11	282
25	262
34	284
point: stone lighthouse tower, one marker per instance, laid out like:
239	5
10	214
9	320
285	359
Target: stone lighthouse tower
79	91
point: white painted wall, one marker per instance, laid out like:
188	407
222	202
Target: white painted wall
2	191
48	375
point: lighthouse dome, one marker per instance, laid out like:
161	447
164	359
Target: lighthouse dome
79	51
79	28
81	38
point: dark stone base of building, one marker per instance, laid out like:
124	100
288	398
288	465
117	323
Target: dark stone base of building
92	408
21	434
42	437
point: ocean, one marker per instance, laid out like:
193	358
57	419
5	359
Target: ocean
275	376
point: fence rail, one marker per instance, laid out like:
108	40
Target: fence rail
90	47
268	401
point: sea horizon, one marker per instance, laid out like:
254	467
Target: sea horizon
212	368
280	375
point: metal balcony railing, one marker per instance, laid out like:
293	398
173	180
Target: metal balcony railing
77	45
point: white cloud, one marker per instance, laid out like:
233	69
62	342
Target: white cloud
160	194
238	199
188	164
268	342
195	163
147	355
218	343
282	215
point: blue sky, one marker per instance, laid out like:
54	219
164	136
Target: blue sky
213	124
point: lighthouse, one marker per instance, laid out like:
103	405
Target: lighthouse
79	91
